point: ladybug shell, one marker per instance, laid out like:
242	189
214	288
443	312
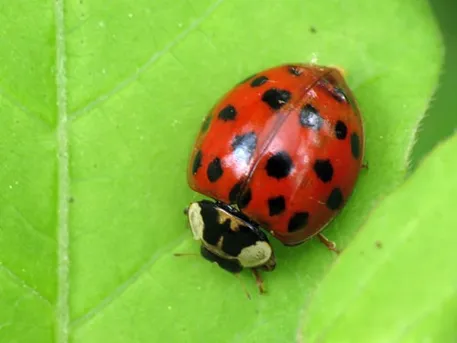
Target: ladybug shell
285	146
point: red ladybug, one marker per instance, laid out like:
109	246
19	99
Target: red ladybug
282	150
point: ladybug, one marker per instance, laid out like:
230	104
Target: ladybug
282	151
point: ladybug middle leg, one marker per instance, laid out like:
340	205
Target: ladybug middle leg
328	243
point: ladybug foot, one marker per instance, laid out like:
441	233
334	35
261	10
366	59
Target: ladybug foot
329	244
259	281
365	165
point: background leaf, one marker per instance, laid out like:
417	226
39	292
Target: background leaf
99	106
397	295
440	123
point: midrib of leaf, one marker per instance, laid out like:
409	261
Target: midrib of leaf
62	310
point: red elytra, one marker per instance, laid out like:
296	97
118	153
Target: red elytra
285	146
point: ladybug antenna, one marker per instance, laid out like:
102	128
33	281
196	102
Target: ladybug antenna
243	286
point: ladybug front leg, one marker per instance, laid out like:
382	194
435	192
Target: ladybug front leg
328	243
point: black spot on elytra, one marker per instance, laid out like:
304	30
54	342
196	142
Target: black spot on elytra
235	191
205	124
310	117
323	170
279	165
276	205
214	171
227	113
259	81
355	145
296	71
298	221
335	199
245	199
244	146
339	95
197	162
341	130
276	98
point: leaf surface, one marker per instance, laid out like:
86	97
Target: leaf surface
404	288
99	107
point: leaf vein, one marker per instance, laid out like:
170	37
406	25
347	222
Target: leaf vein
143	68
123	287
28	225
21	282
24	109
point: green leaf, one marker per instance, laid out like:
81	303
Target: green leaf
438	124
404	288
99	107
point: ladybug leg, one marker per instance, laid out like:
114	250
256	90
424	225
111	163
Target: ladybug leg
242	285
180	254
329	244
365	165
258	280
